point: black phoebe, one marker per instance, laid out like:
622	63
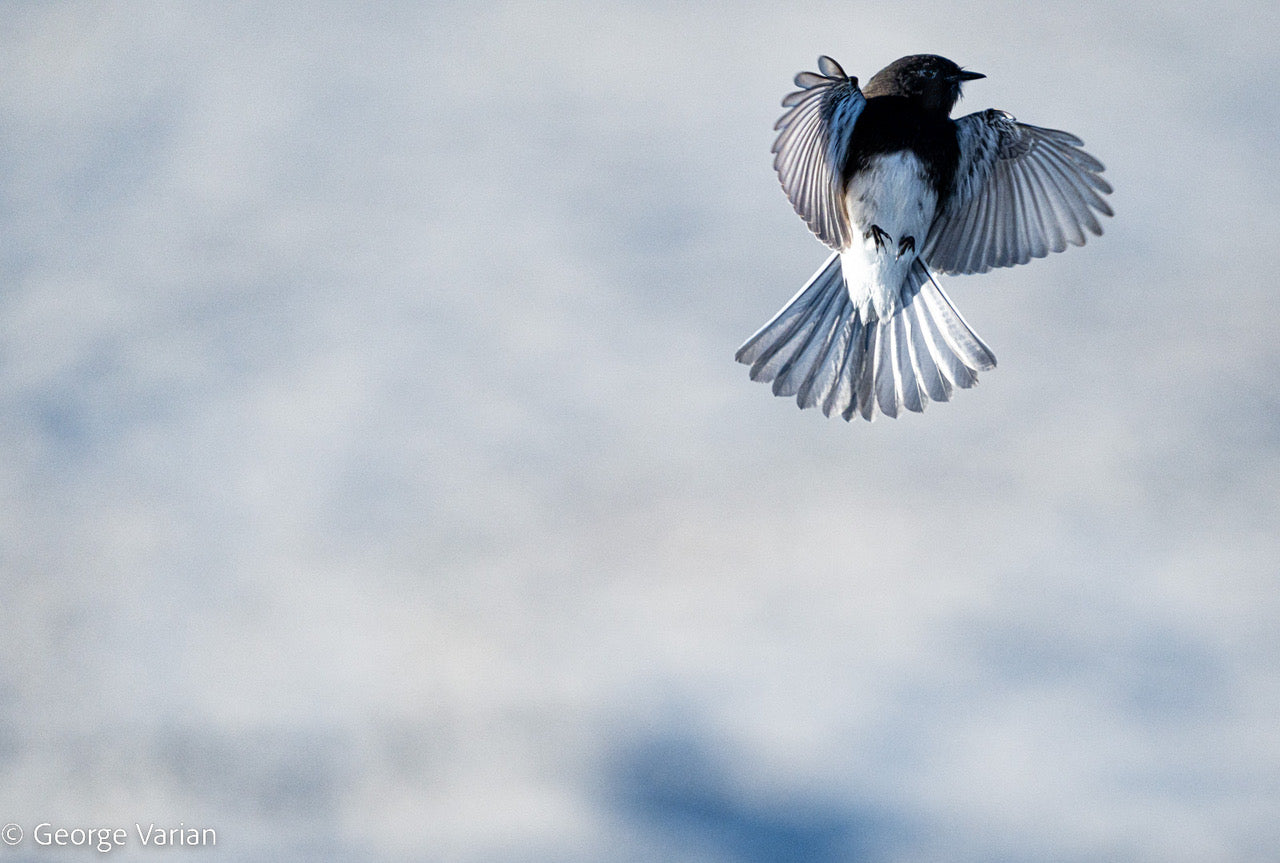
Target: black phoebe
886	178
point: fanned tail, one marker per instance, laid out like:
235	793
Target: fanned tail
820	349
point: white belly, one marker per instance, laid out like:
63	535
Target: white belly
893	193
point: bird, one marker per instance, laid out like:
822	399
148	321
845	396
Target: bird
898	190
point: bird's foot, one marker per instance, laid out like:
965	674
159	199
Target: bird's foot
908	244
878	234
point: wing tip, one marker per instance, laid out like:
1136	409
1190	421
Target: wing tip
829	67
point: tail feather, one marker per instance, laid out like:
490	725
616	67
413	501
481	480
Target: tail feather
826	361
960	339
774	344
914	398
865	373
806	361
821	349
889	389
936	383
848	358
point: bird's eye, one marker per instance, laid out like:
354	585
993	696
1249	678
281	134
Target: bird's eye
928	73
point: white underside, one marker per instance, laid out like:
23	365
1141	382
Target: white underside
895	194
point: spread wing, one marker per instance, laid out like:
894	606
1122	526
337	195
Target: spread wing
1020	192
811	147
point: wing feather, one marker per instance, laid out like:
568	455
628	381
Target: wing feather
812	141
1020	192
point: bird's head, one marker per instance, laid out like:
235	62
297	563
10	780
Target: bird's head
928	79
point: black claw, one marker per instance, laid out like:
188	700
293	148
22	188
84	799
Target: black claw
908	244
879	234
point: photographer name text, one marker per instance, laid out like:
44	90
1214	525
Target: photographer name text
105	839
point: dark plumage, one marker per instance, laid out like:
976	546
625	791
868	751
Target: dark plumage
908	107
931	81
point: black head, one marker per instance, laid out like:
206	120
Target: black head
931	80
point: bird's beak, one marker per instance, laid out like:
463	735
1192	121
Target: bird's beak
966	75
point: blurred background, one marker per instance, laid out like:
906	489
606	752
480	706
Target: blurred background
378	483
